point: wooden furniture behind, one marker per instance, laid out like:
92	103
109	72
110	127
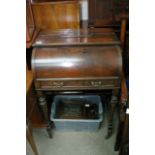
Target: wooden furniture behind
122	138
56	15
107	13
124	145
110	14
29	21
30	26
77	60
30	103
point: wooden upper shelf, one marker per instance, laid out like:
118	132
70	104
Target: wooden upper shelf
76	37
56	14
51	1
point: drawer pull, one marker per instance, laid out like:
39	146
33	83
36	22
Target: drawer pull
96	83
57	84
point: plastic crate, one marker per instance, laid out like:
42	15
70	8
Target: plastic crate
77	124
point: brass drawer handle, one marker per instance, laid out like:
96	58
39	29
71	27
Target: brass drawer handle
57	84
96	83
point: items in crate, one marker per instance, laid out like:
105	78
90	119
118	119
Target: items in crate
76	109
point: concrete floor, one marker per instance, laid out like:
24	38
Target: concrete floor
74	143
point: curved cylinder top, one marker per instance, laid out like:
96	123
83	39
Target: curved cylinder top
76	62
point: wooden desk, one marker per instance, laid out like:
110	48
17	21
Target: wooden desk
77	60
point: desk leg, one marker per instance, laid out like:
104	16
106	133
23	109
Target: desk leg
30	139
111	110
43	105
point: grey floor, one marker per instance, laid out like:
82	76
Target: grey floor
74	143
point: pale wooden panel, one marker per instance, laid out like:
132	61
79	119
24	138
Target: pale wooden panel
58	15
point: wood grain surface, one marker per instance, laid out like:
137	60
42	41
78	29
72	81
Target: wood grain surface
56	15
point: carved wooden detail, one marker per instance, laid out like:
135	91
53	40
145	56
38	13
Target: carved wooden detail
77	84
111	110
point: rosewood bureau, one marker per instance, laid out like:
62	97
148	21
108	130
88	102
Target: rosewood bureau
77	61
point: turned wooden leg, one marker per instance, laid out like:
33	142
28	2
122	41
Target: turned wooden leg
49	129
43	105
30	139
111	110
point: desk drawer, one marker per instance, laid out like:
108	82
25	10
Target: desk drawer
77	84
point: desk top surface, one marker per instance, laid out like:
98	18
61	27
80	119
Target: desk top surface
68	37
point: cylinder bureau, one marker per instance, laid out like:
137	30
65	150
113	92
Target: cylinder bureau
74	60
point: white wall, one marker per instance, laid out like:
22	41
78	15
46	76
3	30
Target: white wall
84	9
